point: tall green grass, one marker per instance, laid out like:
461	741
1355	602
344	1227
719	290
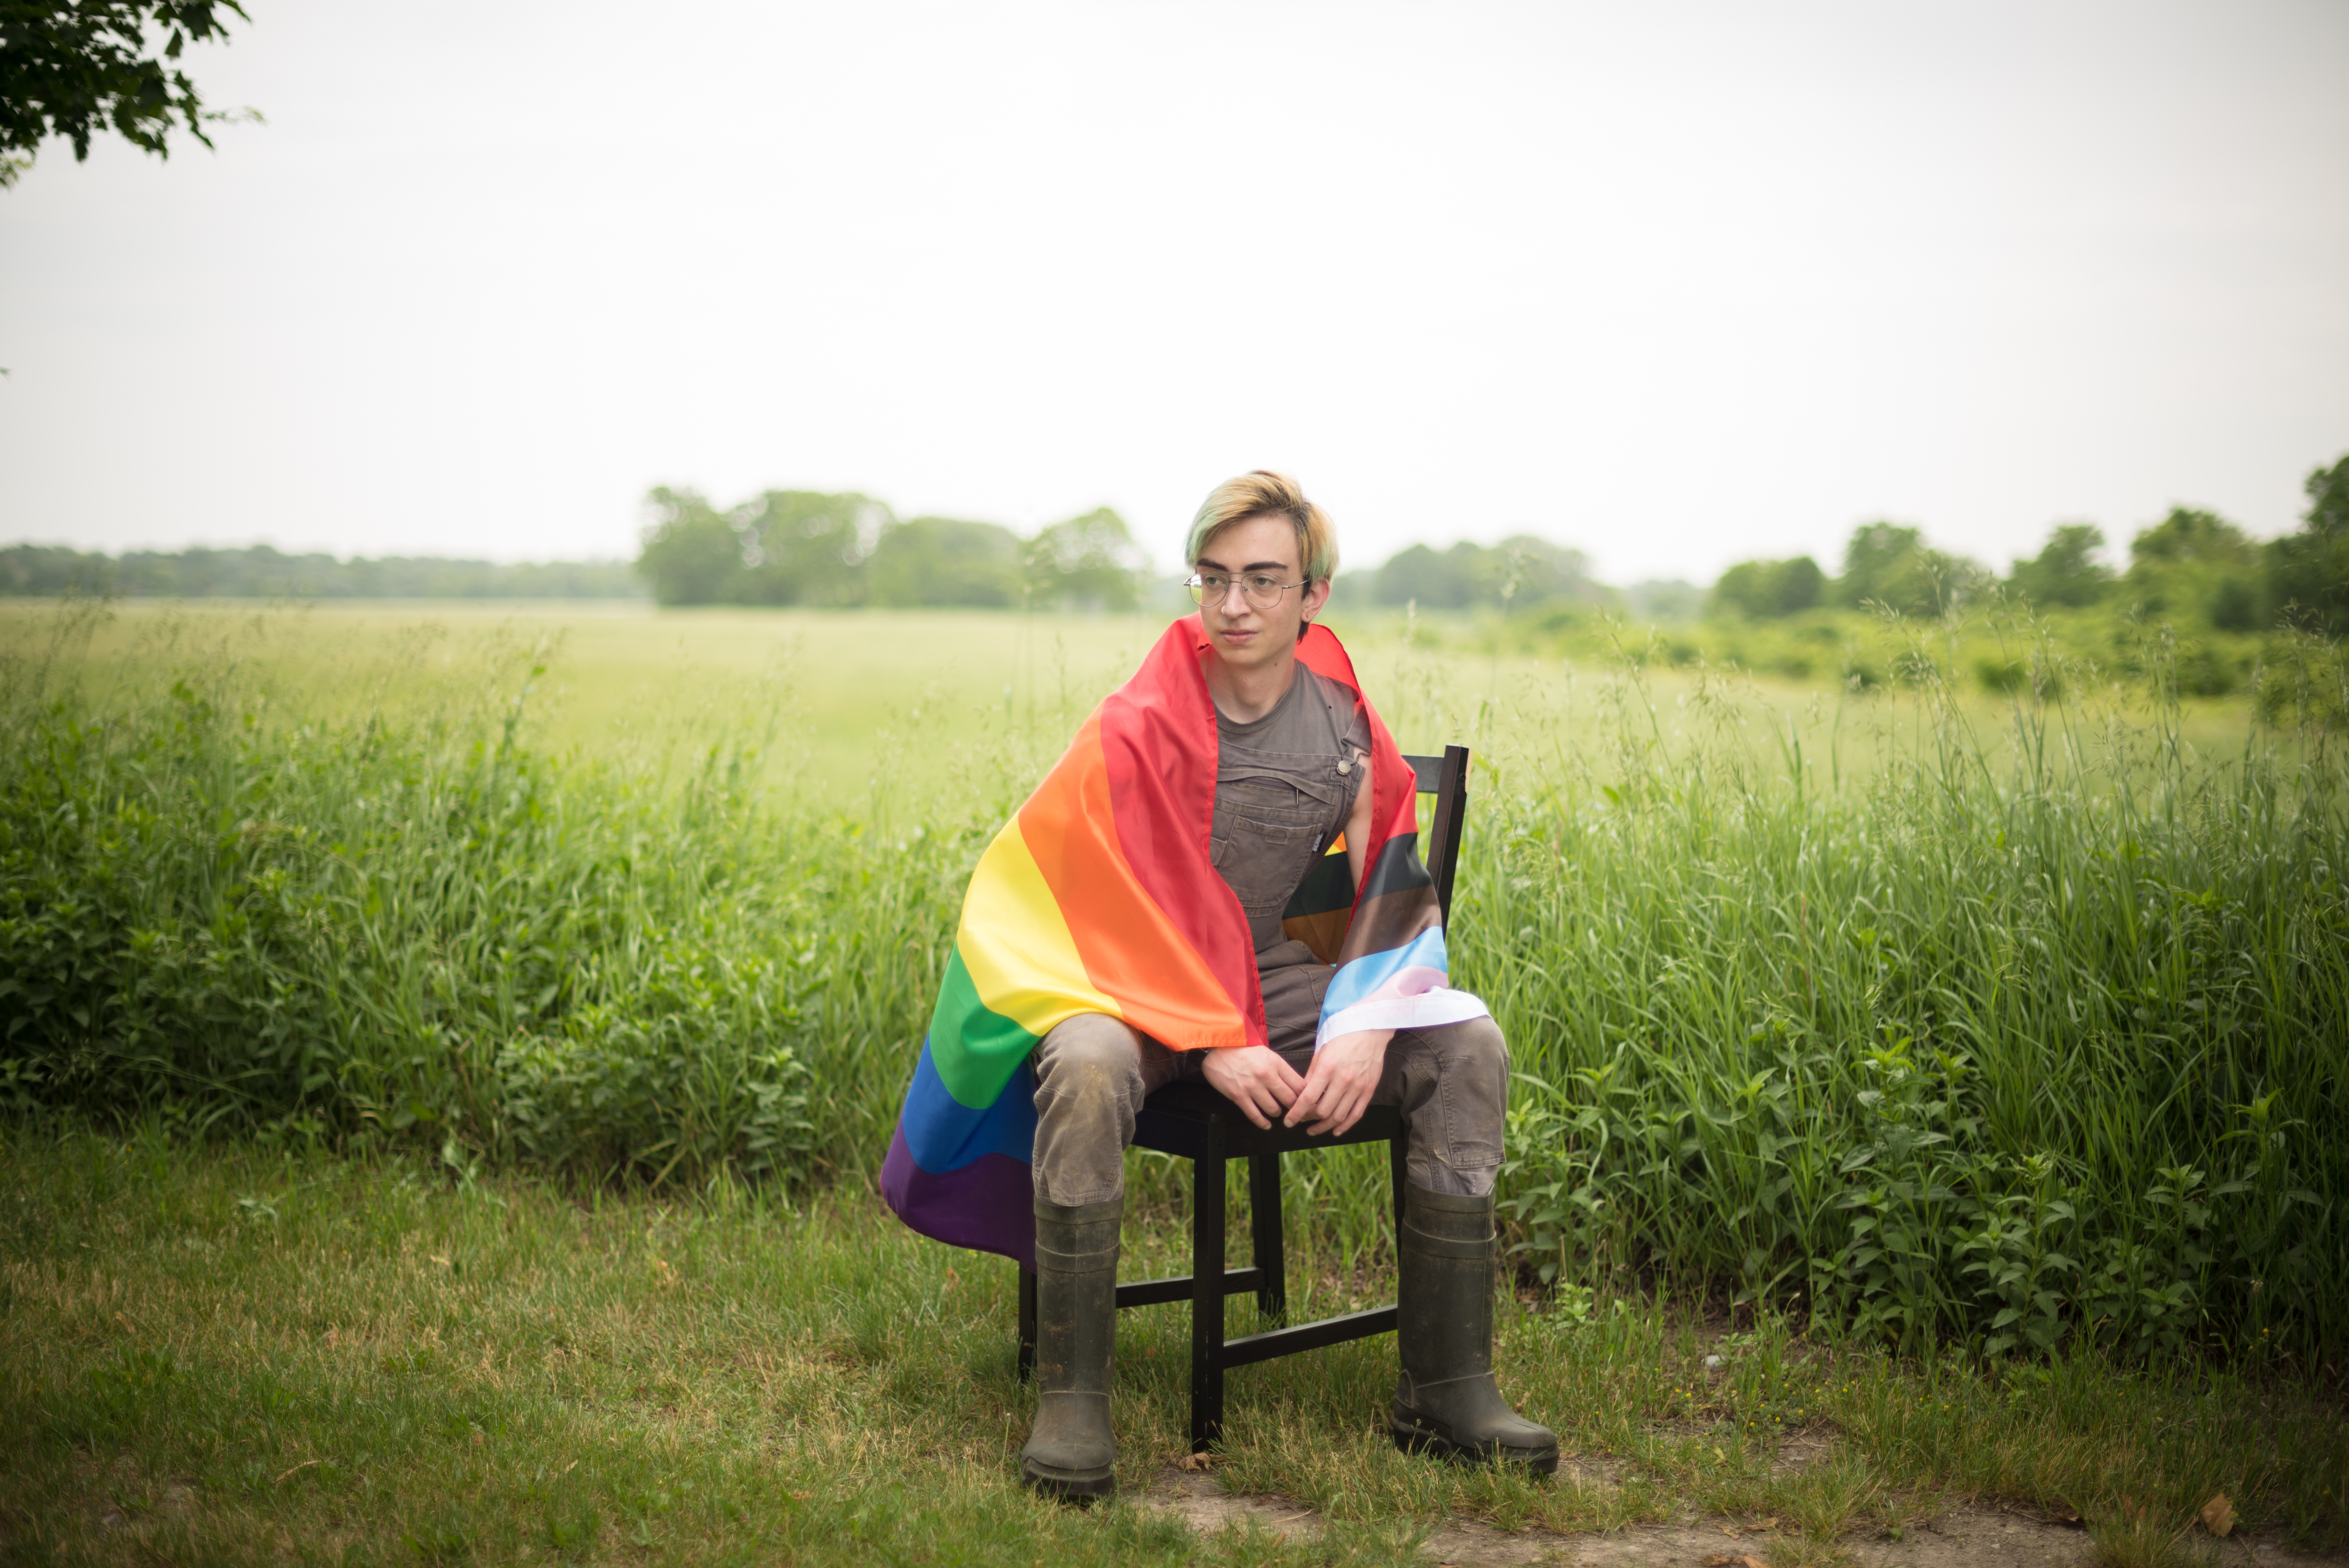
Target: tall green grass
2031	1038
405	923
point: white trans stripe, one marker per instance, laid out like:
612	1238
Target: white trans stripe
1427	1010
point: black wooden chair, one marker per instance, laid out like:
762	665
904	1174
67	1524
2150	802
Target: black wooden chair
1193	1121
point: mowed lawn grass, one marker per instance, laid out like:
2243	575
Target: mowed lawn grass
236	1355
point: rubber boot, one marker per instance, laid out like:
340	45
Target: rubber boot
1446	1401
1073	1453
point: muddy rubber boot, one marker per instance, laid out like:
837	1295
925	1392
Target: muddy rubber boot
1446	1401
1072	1453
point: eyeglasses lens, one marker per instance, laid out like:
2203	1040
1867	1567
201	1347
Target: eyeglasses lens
1262	592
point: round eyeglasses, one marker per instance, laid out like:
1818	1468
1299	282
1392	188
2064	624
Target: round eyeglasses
1261	589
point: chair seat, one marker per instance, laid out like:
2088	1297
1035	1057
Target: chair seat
1180	1118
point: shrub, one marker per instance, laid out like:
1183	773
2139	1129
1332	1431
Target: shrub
2001	675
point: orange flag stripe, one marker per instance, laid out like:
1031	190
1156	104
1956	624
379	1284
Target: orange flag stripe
1130	949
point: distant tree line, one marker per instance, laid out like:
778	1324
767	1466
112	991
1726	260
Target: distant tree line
1883	563
2191	563
261	573
801	547
1519	571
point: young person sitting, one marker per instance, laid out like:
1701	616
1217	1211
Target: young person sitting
1136	924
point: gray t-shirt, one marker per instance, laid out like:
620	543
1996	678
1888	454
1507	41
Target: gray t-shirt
1285	784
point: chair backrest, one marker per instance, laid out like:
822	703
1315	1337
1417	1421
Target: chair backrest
1446	778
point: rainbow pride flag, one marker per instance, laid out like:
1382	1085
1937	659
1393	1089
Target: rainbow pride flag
1099	897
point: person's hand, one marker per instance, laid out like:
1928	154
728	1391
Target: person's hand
1344	1076
1255	1079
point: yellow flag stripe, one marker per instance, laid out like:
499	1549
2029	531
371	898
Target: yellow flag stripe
1014	941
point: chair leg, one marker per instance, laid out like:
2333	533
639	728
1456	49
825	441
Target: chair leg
1264	1227
1027	1324
1207	1294
1399	1169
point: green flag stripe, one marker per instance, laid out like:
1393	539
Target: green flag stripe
976	1051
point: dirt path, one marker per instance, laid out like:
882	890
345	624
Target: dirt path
1978	1535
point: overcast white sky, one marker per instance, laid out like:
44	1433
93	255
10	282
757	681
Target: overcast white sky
1679	284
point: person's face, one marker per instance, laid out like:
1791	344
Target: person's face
1241	632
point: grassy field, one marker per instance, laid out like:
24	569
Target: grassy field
921	696
839	695
235	1356
1942	1022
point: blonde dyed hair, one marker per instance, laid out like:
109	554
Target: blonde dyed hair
1263	494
